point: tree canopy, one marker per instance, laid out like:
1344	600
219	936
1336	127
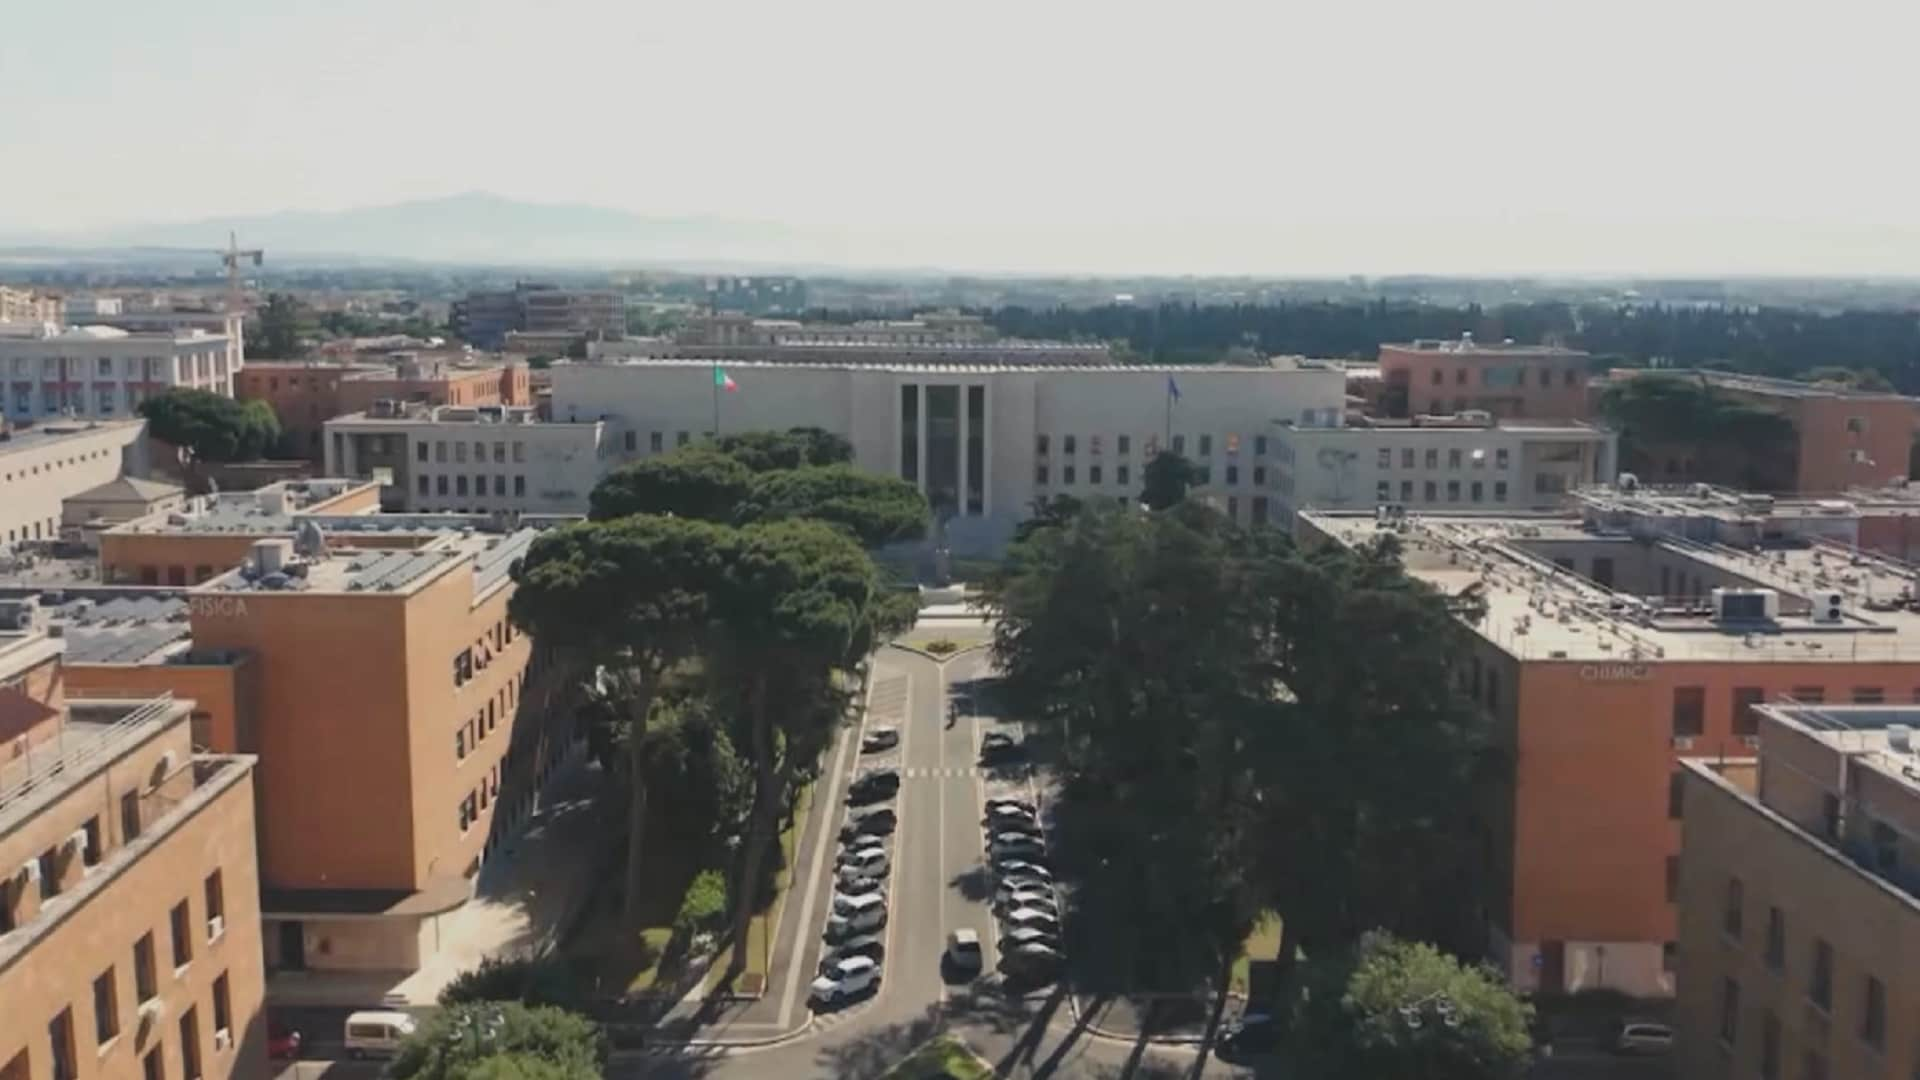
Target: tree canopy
1167	478
762	451
877	510
1663	417
210	426
500	1040
691	482
279	324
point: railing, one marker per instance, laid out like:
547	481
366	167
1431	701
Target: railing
43	766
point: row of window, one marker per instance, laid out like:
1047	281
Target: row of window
656	440
501	449
1690	706
482	723
480	797
1872	1025
1430	491
1505	376
1457	457
1123	445
438	485
56	464
105	399
147	367
109	1023
34	531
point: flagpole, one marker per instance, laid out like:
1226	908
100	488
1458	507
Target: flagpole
1168	444
716	402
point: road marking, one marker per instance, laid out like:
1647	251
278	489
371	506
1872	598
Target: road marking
940	793
841	771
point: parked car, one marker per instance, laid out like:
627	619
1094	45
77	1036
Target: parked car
878	822
1029	935
1251	1033
861	842
1641	1037
1016	846
1000	816
963	950
872	946
1033	917
1014	802
1013	883
854	975
874	786
999	746
282	1041
840	926
846	903
868	862
1010	869
1026	898
878	739
1028	827
1031	963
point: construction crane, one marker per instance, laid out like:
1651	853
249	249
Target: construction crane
233	257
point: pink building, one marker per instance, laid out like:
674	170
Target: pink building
1532	382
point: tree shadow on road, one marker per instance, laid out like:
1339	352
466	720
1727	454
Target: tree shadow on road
685	1065
873	1053
975	884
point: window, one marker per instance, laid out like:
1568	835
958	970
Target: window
216	901
1460	377
1733	919
1499	491
1093	474
1746	722
1386	457
1453	458
182	935
129	817
1776	954
1571	375
1669	956
1809	695
50	863
424	484
90	854
1179	444
1040	444
145	985
190	1044
1856	425
1040	474
1500	458
1869	695
460	484
1260	476
460	453
462	667
440	485
1453	491
519	485
1886	848
1406	491
1068	444
151	1067
222	1005
1433	458
1123	444
519	451
500	450
499	483
420	454
1233	474
1689	711
1676	787
1769	1047
1122	474
1673	878
1478	491
106	1008
60	1038
656	441
1431	490
1820	982
1206	445
1233	507
1729	1011
1873	1018
1383	491
1439	376
1259	509
1406	458
1066	474
630	441
680	438
1259	446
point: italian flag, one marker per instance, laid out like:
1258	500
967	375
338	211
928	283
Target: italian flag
723	380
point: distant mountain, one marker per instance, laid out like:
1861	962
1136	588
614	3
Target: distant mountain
474	227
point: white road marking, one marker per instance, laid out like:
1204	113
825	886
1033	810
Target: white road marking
940	791
990	960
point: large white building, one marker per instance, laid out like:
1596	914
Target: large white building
1432	463
42	466
983	441
105	372
470	459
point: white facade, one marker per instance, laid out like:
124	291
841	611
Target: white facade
472	460
41	467
1508	467
102	372
982	441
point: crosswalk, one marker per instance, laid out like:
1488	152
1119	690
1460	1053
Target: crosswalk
934	773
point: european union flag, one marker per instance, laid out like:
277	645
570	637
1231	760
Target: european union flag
1173	389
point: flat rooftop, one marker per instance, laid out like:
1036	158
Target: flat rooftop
1271	364
388	571
1741	382
276	508
491	416
1536	576
1466	345
20	440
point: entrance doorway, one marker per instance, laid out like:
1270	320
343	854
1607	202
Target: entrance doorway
293	946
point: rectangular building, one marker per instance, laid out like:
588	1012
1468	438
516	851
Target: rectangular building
485	317
1800	900
101	372
44	465
24	306
1606	656
1438	463
463	459
1512	382
304	396
129	901
983	441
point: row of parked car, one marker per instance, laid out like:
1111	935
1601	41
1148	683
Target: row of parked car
1024	898
855	945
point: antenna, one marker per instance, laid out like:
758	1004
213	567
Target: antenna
232	258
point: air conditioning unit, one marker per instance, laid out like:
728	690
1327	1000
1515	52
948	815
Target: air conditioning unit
1746	605
152	1008
1829	606
223	1039
76	840
1683	742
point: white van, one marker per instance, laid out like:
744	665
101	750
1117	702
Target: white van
377	1034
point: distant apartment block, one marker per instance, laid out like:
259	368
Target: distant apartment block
932	338
1609	652
1799	886
306	395
85	310
229	325
44	465
1436	463
471	458
101	372
25	306
129	898
1841	438
1512	382
485	317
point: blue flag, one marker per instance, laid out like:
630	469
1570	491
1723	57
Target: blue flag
1173	389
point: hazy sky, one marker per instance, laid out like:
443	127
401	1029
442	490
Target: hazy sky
1513	127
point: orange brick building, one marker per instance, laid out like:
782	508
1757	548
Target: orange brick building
1512	382
1606	657
129	902
306	395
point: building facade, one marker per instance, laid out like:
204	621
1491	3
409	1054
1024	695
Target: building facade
101	372
1800	900
1605	657
44	465
1512	382
1436	463
485	317
304	396
467	459
129	911
982	441
229	325
25	306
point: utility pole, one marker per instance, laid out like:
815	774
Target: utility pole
233	257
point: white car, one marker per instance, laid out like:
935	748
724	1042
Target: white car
848	903
1029	935
869	916
1007	814
854	975
1027	898
1033	918
963	950
864	862
1018	868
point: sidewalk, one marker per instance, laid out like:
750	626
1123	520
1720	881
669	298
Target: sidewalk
524	898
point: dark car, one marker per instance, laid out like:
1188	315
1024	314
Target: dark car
878	739
880	822
1031	963
998	746
282	1041
874	786
1005	827
1252	1033
998	803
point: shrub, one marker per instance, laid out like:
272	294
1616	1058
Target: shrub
703	906
527	980
943	646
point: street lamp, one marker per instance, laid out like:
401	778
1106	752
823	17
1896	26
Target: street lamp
1413	1013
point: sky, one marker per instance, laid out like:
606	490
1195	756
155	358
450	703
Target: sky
1340	135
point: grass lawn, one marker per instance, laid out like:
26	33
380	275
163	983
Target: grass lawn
1260	947
943	1057
965	637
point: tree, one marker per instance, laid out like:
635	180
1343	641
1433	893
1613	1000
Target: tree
628	600
764	451
528	980
1167	478
691	482
876	509
210	426
1664	417
539	362
279	324
1404	1010
502	1039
